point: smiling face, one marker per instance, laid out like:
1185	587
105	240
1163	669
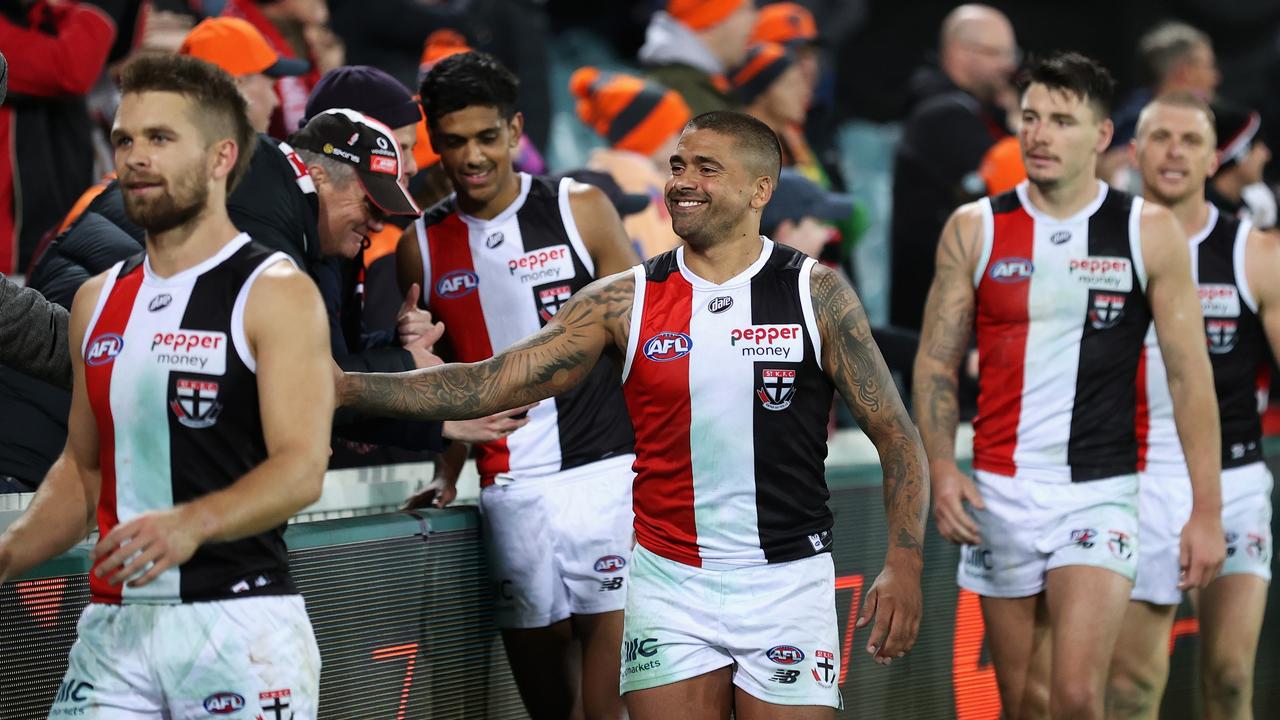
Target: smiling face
712	189
1061	136
347	217
477	148
163	161
1174	151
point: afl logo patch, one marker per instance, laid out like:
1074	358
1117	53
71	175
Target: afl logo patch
1060	237
1011	270
667	346
494	240
456	284
720	304
785	654
160	302
610	563
103	349
223	703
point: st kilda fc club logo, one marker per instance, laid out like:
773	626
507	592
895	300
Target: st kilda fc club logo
1105	310
777	387
552	299
195	402
1221	335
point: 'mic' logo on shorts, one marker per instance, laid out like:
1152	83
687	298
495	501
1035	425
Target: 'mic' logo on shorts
785	654
634	648
610	563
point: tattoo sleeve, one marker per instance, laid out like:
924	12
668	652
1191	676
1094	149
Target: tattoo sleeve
854	364
948	324
547	363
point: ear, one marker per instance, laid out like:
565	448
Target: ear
516	127
1132	152
1106	129
223	155
1214	161
318	175
762	192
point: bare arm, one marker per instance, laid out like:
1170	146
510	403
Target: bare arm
1175	305
1262	271
295	394
602	230
64	509
547	363
948	324
854	364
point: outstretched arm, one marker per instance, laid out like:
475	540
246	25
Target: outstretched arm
853	362
547	363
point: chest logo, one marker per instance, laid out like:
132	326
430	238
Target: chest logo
1060	237
783	343
456	284
720	304
777	387
195	402
551	299
1106	310
494	240
1011	270
1102	273
1221	335
198	351
160	302
667	346
543	265
1219	300
103	349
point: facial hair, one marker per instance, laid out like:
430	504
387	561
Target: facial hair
182	201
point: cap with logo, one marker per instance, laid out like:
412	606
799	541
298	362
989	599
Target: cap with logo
765	63
367	145
630	112
798	197
237	47
702	14
1237	128
786	22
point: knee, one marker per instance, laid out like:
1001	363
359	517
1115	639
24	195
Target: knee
1035	701
1227	686
1076	699
1132	693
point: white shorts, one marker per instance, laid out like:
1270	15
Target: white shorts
560	545
1031	527
251	657
1163	508
775	623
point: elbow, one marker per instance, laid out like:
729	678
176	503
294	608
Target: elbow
310	484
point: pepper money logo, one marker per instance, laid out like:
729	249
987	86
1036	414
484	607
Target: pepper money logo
783	343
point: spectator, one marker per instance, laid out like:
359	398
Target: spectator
953	120
1236	187
691	46
56	52
771	86
800	213
641	121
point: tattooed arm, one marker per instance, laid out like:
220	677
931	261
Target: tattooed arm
948	322
547	363
853	362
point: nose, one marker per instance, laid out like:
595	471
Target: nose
374	225
408	167
475	158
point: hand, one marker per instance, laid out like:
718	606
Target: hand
5	561
414	325
1202	550
438	493
144	547
488	429
423	357
951	489
896	603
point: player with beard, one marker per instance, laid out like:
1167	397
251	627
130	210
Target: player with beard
1235	267
199	421
1062	277
726	344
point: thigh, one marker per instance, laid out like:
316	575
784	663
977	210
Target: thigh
1142	647
544	664
748	707
108	675
1246	521
1086	607
1015	635
593	530
519	543
708	696
1164	504
255	654
1231	612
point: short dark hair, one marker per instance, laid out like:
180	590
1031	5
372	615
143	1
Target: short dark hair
1075	74
749	134
217	107
466	79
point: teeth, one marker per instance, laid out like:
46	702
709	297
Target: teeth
688	203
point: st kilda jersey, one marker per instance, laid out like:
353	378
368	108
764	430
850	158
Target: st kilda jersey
730	407
171	382
1237	350
1061	316
495	282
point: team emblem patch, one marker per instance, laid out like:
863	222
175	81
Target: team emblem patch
275	702
826	664
195	402
1084	537
1221	335
551	299
1120	544
777	388
1106	310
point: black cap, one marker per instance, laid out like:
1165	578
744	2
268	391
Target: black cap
366	90
624	202
366	144
798	197
1237	128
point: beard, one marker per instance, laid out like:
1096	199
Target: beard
711	228
184	203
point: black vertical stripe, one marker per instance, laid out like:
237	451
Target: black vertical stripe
1103	441
791	443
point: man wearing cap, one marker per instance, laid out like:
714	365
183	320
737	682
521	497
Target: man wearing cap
691	46
1237	186
800	214
641	120
497	261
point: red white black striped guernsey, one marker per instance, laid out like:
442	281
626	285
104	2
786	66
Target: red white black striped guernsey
171	382
1061	315
495	282
1238	352
730	406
